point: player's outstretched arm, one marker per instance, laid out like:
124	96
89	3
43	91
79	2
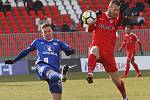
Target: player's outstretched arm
21	55
67	49
140	46
122	46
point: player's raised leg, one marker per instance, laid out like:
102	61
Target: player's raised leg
55	84
119	83
93	56
53	78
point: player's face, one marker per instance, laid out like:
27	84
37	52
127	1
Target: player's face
114	10
128	30
47	33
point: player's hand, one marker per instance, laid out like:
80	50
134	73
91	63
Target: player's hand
98	12
70	52
9	62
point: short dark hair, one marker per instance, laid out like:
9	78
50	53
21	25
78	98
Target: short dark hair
129	26
117	2
46	25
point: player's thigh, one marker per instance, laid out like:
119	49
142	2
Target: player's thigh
94	50
109	63
129	56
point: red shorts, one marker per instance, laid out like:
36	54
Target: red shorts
130	56
108	61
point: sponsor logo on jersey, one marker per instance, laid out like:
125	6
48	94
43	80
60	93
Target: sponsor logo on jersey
48	49
106	27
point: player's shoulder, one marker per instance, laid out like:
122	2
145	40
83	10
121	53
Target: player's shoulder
39	40
133	34
57	40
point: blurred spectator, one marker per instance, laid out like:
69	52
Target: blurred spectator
133	20
140	6
38	5
73	26
24	3
7	7
140	20
126	21
55	27
16	1
65	27
135	11
148	1
29	6
128	12
1	5
122	1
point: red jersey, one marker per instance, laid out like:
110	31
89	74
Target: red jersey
104	33
130	42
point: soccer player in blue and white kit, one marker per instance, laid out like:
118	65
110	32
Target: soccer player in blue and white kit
48	56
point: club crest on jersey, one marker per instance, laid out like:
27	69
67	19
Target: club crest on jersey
48	48
111	21
55	43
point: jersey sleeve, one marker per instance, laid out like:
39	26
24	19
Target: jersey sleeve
64	46
92	27
25	52
136	38
124	40
33	44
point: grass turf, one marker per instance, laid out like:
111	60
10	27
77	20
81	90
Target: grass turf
28	87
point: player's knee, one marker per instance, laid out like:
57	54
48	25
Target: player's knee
95	50
53	76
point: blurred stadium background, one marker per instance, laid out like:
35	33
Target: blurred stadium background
18	29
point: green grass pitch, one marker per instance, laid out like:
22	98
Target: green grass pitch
27	87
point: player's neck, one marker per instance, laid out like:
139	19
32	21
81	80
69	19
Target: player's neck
108	14
49	39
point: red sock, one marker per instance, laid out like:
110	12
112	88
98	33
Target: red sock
91	63
121	88
127	69
136	67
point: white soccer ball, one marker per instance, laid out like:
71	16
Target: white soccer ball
88	17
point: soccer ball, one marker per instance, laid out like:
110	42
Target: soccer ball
88	17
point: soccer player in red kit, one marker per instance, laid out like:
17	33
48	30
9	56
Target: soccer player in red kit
130	40
103	43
